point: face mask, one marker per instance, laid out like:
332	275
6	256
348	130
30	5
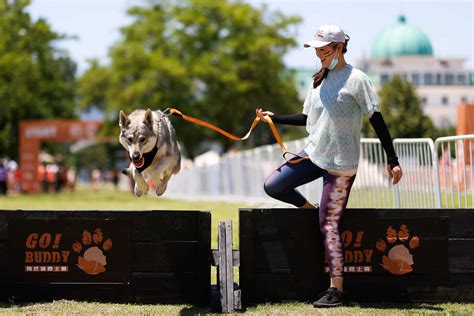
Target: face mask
334	61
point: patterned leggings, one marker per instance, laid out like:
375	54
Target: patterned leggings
281	185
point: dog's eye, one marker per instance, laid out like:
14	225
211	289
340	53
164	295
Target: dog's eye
130	139
142	139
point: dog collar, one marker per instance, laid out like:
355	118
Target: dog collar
146	160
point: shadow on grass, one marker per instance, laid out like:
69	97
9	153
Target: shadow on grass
195	310
394	305
189	310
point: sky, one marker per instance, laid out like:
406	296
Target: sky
449	25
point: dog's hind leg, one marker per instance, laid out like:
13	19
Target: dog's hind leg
160	181
162	185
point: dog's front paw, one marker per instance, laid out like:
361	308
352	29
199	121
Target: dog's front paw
139	192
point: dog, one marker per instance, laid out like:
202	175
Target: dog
150	140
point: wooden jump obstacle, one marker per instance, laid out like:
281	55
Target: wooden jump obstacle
416	255
134	256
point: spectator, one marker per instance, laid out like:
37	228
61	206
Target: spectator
3	179
96	178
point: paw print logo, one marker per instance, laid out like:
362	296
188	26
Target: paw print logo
92	247
399	259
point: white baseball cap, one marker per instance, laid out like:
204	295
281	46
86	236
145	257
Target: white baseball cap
327	34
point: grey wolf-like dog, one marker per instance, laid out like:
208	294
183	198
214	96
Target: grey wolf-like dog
151	142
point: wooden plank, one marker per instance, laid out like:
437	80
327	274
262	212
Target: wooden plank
276	288
236	258
203	264
4	224
229	266
146	225
461	255
293	254
247	284
6	215
222	275
389	288
164	281
229	281
459	287
165	256
3	256
67	214
460	220
455	287
281	223
169	288
285	287
166	226
215	258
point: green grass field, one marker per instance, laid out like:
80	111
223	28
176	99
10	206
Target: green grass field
108	199
373	198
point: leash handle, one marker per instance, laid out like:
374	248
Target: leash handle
293	160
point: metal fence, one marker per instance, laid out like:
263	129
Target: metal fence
435	174
455	174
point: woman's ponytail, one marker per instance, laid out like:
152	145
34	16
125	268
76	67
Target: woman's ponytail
319	77
344	50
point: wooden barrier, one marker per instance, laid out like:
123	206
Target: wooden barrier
165	256
420	255
138	256
228	296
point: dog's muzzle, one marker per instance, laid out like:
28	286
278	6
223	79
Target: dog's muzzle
138	160
139	163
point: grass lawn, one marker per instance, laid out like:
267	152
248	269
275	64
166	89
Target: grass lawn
296	308
108	199
384	198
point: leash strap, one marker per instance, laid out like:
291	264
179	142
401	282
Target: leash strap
255	122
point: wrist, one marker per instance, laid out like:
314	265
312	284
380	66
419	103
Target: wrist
393	162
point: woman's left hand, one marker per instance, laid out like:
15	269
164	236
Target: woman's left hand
263	115
396	173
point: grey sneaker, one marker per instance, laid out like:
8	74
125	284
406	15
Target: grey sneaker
329	298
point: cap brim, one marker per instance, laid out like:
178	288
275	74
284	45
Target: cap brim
316	44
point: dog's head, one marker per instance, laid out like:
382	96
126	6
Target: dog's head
137	134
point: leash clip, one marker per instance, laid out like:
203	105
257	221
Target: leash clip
166	112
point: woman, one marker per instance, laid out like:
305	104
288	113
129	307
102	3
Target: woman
332	113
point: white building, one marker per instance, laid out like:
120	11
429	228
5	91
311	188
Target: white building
442	83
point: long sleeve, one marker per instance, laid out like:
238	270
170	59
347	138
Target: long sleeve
292	119
377	122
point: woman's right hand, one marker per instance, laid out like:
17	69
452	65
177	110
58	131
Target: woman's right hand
263	115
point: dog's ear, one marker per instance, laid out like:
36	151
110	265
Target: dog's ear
123	121
148	120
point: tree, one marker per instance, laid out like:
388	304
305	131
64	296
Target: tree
402	111
216	60
36	79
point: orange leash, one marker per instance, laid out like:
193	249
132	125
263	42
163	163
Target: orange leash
255	122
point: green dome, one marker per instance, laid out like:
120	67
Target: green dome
401	39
